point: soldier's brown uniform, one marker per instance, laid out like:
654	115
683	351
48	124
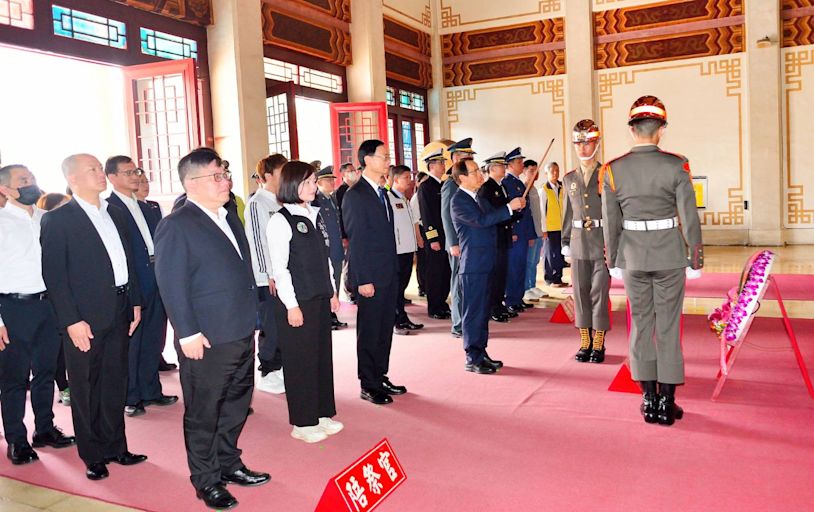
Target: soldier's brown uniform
582	233
652	232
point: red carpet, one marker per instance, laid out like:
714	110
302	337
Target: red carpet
715	285
544	434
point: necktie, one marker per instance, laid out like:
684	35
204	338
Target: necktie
383	199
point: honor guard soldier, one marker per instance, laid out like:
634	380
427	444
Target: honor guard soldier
583	242
492	193
522	232
655	250
461	150
432	227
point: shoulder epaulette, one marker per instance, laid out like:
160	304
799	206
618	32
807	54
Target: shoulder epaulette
683	158
604	171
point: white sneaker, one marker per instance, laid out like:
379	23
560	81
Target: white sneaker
530	296
273	383
540	293
313	434
330	426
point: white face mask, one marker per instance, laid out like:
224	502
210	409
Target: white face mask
586	158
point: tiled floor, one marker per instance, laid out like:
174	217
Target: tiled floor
19	497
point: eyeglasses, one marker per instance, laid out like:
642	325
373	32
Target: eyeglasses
138	171
219	176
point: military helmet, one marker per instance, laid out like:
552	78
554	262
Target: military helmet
647	107
585	131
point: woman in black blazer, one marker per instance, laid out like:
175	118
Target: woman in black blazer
304	299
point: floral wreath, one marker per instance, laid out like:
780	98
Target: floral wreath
730	320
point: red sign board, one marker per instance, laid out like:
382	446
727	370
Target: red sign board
363	485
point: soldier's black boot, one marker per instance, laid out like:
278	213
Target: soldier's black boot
649	406
584	352
598	352
668	412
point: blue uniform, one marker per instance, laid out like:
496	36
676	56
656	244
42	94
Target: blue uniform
523	229
477	237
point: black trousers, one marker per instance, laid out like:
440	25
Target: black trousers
308	355
405	271
61	376
350	289
268	346
497	281
554	261
144	352
32	331
374	333
438	280
99	388
217	392
421	269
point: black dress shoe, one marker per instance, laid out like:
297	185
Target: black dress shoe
482	368
375	396
500	318
162	401
583	355
392	389
526	305
494	362
515	310
246	477
251	411
134	410
409	326
441	316
650	401
164	366
457	334
401	332
597	356
96	471
336	324
53	438
668	411
126	459
21	453
216	497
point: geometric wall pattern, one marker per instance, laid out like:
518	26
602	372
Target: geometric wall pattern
309	31
798	22
407	54
524	50
678	29
198	12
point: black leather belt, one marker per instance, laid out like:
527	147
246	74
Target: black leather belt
120	290
25	296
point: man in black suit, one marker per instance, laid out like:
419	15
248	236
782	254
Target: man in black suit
93	285
438	270
372	259
146	344
493	193
204	273
350	175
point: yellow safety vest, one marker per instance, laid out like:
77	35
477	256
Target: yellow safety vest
553	213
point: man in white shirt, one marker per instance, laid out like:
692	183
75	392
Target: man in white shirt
147	343
404	228
261	206
29	341
92	283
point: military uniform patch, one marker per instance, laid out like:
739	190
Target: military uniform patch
302	228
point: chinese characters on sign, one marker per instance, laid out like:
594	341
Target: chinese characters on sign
366	482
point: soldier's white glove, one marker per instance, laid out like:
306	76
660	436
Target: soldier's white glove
615	272
693	274
566	251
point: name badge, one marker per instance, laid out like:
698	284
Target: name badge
302	228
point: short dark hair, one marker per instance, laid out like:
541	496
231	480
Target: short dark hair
646	127
368	148
529	163
197	158
294	172
269	164
398	170
421	177
5	173
50	201
347	166
459	169
112	164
